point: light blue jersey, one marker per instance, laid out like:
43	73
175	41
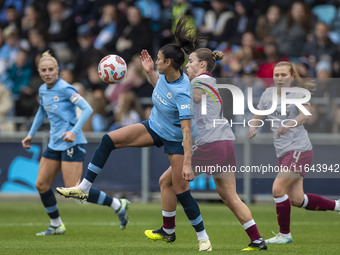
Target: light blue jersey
172	103
59	104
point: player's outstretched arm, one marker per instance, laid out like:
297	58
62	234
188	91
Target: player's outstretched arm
148	66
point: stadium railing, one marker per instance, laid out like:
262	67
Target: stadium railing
317	139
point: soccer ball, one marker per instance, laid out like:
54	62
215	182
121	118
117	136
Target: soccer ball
112	69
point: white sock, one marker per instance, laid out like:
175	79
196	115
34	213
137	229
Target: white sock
202	235
55	222
168	214
337	205
85	185
280	199
289	235
115	204
169	231
248	224
305	201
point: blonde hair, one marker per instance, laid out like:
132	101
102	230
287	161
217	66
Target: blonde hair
204	54
47	56
298	81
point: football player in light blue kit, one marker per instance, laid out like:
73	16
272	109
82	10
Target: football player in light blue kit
213	146
168	125
58	101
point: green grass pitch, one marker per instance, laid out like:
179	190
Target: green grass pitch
93	229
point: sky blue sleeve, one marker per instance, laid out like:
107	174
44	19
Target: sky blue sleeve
184	106
38	120
86	111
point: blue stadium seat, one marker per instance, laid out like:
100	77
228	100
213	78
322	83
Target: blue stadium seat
325	13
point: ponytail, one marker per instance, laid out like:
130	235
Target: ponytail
186	37
47	56
210	57
186	41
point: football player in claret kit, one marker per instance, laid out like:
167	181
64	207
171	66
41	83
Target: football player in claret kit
293	149
65	151
213	146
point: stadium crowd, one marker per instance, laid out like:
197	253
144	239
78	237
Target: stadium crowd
253	34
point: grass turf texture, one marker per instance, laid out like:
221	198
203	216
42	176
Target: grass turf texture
93	229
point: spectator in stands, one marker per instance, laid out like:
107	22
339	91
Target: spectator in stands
182	8
297	24
247	80
38	42
243	21
30	20
38	45
107	29
98	121
269	24
5	107
61	31
128	111
323	74
139	82
165	34
336	122
150	9
304	68
85	52
284	5
321	44
84	11
12	17
67	75
271	58
92	81
10	48
16	4
135	36
245	56
215	21
17	77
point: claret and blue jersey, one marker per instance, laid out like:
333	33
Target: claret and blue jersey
58	103
295	139
172	103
